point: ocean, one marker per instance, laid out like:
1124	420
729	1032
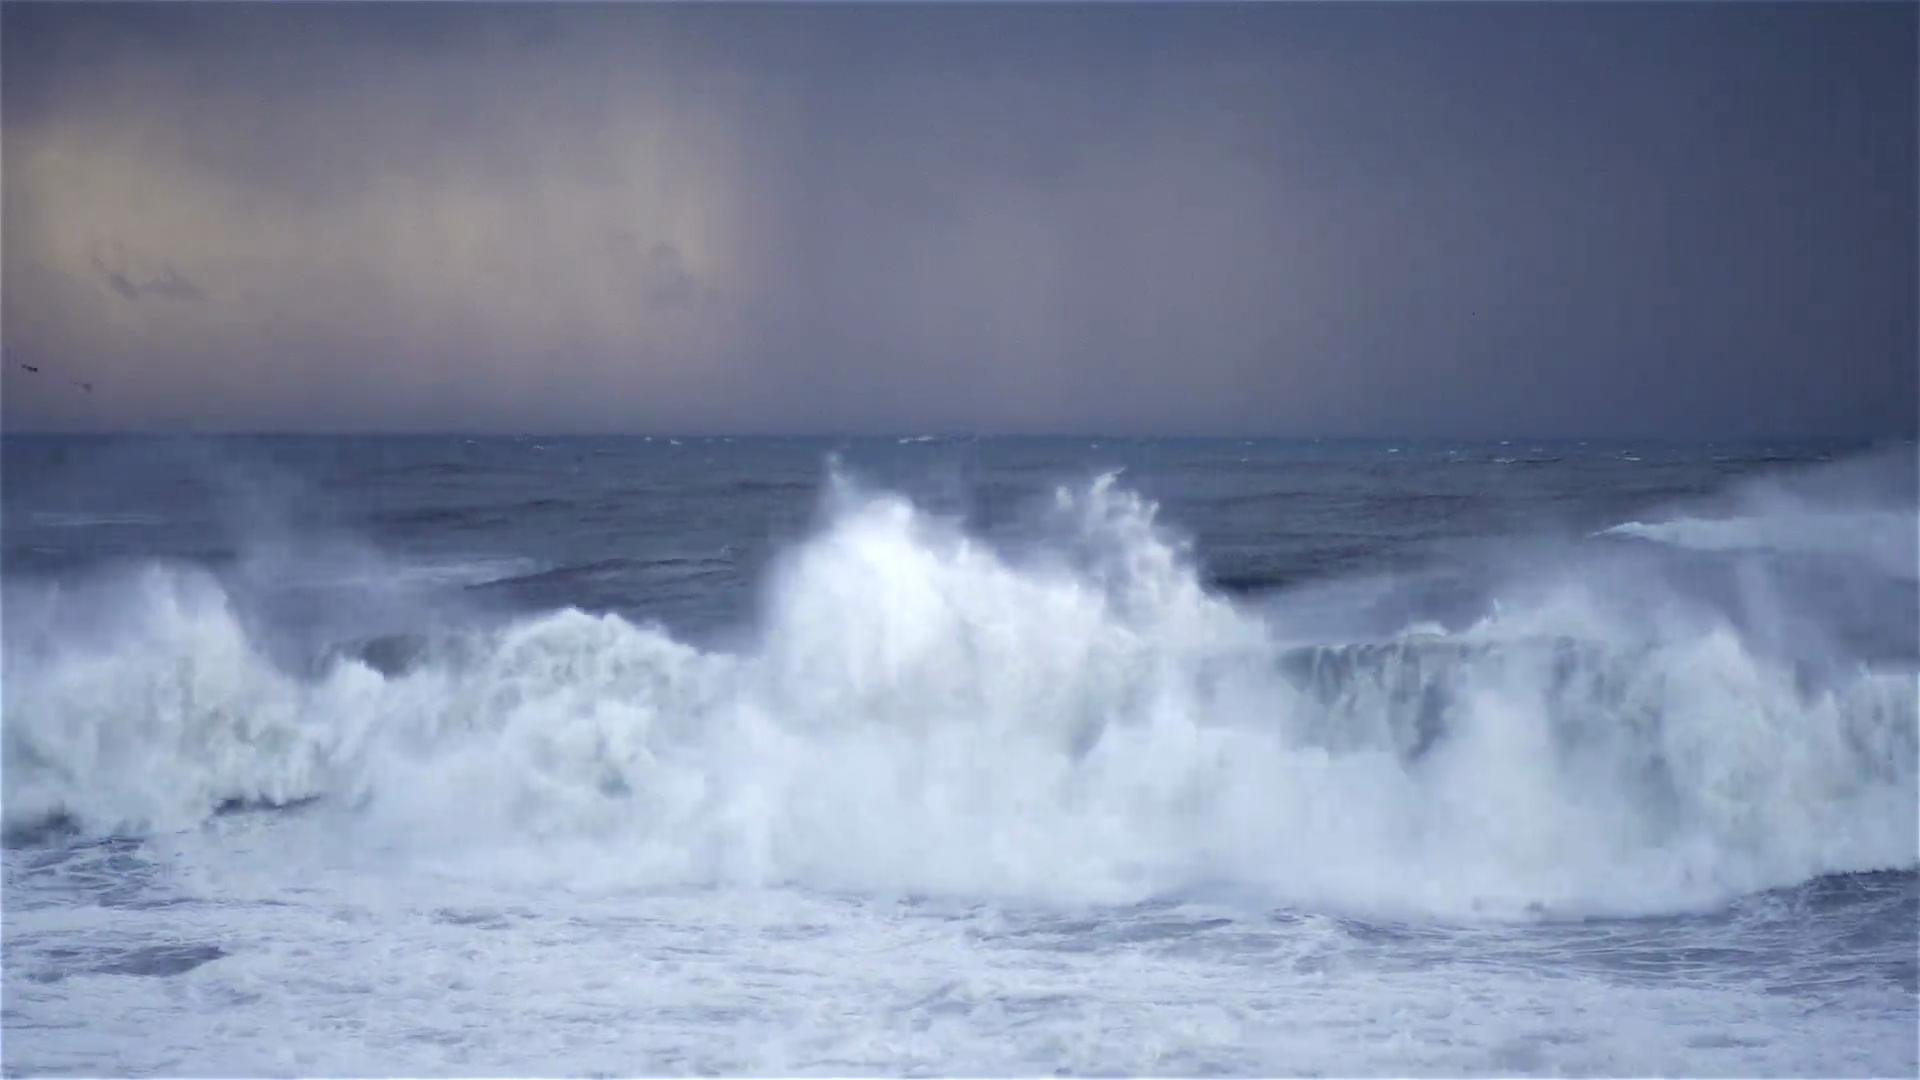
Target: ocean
948	756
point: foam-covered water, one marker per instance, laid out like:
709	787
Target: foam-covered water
979	790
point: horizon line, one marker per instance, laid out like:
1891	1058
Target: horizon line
962	436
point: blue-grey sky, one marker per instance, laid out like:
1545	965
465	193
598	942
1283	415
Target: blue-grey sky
1446	219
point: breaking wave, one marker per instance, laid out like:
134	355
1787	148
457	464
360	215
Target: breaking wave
916	709
1888	539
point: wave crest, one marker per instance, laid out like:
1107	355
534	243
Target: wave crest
919	710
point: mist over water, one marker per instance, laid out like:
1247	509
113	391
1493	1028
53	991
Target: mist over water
1020	684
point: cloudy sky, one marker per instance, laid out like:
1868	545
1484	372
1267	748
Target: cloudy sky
1290	219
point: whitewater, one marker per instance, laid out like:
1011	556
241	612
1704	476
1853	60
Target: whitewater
625	758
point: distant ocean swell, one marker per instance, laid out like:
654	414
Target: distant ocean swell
916	709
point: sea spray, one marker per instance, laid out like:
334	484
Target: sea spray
921	710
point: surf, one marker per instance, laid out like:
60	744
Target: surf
1077	717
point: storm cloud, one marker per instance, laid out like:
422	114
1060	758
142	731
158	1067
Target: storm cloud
1455	219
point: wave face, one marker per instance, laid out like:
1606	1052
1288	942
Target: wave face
916	709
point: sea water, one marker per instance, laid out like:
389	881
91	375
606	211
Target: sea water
959	756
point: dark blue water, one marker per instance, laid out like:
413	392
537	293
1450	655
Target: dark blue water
682	529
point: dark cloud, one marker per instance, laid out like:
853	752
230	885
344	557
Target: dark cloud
1287	219
668	283
160	281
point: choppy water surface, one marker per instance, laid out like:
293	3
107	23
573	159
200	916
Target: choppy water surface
565	756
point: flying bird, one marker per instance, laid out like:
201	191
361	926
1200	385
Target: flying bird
81	383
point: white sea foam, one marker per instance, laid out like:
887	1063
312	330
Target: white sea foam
920	712
1889	539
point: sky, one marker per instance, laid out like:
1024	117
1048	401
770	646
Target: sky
1300	219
